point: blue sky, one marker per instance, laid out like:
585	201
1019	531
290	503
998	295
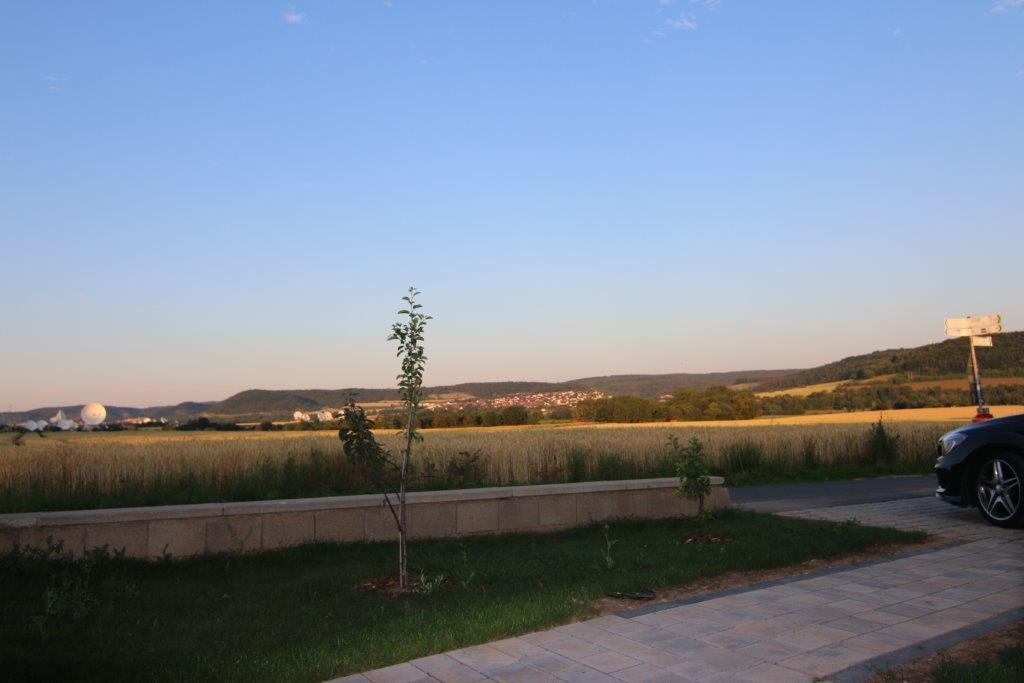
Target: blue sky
197	198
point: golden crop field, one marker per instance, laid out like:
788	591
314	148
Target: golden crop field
111	469
803	391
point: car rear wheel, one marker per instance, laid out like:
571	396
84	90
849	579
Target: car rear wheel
998	489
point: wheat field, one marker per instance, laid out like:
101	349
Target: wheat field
112	469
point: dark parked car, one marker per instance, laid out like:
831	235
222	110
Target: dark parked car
982	465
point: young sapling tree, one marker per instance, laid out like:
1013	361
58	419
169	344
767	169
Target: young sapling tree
362	449
694	479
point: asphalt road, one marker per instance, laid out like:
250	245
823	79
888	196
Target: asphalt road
785	497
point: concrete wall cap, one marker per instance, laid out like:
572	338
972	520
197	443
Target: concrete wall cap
23	520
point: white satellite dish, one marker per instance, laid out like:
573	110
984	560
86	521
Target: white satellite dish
32	426
66	425
94	414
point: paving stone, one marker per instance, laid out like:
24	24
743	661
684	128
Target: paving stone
851	606
519	672
814	637
575	648
854	624
645	673
723	660
770	650
447	669
907	610
729	639
617	643
881	617
584	674
609	662
762	630
909	632
658	635
813	665
794	620
660	658
657	618
399	673
548	662
876	643
578	629
517	647
482	657
695	627
626	627
932	602
769	673
681	645
847	652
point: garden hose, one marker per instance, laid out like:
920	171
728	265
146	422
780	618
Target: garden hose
643	594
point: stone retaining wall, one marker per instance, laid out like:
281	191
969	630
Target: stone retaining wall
186	530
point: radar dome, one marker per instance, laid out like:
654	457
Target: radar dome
94	414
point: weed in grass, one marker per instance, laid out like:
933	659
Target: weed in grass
609	543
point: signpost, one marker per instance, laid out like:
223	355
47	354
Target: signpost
977	329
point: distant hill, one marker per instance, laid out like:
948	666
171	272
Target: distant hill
256	404
652	386
945	358
182	411
1005	358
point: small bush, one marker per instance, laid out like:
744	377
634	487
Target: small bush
881	445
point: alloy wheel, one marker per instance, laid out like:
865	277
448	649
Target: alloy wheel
999	489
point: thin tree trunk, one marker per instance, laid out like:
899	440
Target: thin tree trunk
403	555
700	515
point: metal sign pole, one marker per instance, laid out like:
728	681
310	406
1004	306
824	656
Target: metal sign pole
977	378
977	328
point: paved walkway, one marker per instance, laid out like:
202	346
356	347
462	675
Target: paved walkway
819	494
837	624
916	514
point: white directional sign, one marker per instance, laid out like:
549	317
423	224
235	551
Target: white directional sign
974	326
983	341
973	331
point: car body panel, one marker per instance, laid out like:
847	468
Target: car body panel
954	467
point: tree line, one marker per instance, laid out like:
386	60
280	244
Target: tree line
722	403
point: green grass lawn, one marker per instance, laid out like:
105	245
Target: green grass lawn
292	614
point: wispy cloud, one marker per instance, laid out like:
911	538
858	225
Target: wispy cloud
1004	6
685	22
54	81
293	17
708	4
